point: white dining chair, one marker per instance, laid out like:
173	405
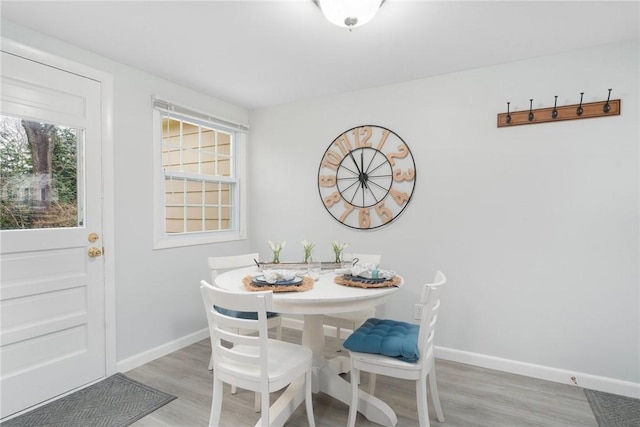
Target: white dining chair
255	363
274	320
218	263
353	319
419	371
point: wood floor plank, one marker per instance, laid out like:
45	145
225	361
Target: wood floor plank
470	396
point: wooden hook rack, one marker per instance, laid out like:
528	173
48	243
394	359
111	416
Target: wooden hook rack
565	112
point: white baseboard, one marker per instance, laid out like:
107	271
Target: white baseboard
593	382
154	353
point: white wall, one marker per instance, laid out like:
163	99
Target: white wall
157	292
535	226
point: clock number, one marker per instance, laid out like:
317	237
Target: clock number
348	209
331	160
364	219
385	214
408	175
327	180
365	131
403	151
343	143
385	135
332	199
400	197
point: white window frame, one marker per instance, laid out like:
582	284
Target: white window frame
163	240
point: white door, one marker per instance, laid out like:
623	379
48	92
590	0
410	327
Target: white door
52	324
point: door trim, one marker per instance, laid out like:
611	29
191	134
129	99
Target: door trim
108	214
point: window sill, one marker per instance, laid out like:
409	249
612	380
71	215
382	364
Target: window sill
168	242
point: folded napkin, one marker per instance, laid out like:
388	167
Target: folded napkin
273	276
370	271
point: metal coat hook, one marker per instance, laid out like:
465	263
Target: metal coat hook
579	110
606	108
555	113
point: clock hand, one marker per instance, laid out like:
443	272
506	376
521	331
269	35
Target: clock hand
355	163
363	176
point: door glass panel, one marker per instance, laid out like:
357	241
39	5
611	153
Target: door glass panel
39	175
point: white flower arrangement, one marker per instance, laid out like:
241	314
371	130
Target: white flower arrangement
337	249
276	248
308	247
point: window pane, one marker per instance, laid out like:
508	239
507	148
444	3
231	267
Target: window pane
193	157
174	198
39	175
171	151
190	135
196	198
188	147
208	139
212	222
174	219
194	192
225	194
194	212
211	193
224	143
208	162
224	167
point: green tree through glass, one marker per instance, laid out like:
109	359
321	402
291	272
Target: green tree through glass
38	175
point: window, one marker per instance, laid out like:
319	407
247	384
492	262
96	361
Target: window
41	177
199	189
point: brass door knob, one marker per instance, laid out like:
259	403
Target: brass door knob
95	252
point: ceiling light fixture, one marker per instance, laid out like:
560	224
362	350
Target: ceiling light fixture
349	13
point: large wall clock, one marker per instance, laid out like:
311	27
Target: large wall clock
366	177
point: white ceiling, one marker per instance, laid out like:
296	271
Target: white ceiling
263	53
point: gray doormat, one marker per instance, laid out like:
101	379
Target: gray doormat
612	410
116	401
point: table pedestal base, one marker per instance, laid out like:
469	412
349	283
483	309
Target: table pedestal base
326	380
340	364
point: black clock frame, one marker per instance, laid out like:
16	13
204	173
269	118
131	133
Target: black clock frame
361	177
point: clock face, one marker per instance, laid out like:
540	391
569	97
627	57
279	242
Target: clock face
366	177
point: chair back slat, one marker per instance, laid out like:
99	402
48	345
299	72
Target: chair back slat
226	328
230	353
430	300
232	337
234	322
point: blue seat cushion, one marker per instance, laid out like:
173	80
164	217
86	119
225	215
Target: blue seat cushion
251	315
387	337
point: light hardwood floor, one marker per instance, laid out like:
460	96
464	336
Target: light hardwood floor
470	396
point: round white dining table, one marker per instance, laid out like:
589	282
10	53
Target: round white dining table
325	297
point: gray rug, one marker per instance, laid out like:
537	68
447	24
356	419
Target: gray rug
612	410
113	402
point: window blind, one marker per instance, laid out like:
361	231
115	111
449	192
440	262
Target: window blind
168	107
